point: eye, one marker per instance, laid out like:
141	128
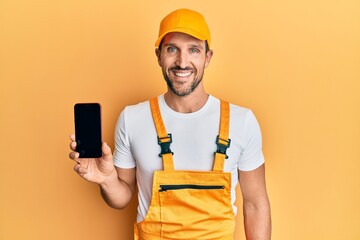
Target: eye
171	49
194	50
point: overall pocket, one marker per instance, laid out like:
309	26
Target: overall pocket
203	211
164	188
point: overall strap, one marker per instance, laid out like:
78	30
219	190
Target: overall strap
164	139
222	140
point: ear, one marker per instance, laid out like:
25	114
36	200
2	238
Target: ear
208	57
158	54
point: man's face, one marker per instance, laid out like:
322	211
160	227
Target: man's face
183	59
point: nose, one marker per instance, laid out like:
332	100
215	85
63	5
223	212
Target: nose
182	59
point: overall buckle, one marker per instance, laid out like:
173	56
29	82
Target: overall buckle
165	146
221	147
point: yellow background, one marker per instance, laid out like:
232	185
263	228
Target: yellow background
295	63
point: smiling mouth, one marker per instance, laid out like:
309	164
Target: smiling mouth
182	74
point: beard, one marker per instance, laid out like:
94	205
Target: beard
182	92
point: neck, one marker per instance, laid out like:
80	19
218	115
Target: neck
186	104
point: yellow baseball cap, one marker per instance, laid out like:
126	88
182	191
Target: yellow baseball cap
184	21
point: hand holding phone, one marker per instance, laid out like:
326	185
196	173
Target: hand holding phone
88	129
96	170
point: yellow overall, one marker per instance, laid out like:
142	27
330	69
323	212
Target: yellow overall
191	205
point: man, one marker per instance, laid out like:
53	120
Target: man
185	150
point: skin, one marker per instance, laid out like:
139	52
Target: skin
183	60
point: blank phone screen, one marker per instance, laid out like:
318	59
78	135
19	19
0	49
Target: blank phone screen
88	129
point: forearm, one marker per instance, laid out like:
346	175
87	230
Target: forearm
116	192
257	221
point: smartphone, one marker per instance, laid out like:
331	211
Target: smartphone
88	129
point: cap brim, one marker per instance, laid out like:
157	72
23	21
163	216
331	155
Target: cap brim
181	30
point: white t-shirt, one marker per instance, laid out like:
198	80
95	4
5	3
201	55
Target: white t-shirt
193	134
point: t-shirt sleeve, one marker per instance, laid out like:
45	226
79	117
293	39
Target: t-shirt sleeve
252	155
123	157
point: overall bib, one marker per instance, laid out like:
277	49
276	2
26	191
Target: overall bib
191	205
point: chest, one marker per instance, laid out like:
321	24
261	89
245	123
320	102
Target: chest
193	144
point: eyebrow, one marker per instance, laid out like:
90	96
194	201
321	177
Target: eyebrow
190	46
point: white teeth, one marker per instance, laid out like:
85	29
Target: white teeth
182	74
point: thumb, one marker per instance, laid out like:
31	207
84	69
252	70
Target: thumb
107	155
